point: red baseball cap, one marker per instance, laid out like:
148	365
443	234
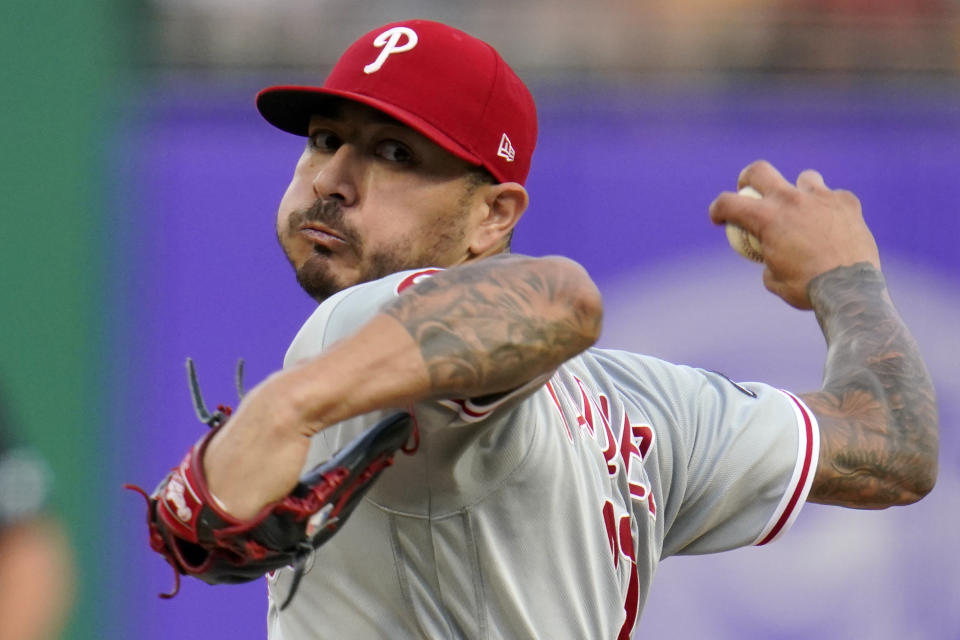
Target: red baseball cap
451	87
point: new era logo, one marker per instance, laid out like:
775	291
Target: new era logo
506	149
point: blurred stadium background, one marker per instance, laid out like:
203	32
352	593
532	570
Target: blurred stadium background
140	187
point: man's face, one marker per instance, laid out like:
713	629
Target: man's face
370	197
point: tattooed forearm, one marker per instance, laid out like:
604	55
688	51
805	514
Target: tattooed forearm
877	409
495	324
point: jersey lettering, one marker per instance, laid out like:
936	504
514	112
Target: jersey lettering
628	449
620	537
585	419
610	452
593	417
636	445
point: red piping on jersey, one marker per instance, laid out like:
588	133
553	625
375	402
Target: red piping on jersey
471	412
556	403
808	456
414	278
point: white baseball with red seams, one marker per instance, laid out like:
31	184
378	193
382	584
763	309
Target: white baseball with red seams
579	482
742	241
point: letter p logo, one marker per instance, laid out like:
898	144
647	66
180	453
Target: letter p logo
389	41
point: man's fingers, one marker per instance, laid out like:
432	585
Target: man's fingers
762	176
810	180
743	211
752	214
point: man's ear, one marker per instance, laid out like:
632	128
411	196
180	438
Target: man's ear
503	205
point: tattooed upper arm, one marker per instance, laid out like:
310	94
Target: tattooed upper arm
877	410
495	324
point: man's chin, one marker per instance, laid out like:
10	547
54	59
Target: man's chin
319	282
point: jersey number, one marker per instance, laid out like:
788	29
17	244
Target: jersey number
621	544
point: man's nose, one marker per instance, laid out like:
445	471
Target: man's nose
337	178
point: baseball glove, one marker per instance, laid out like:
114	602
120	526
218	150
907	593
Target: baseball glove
199	539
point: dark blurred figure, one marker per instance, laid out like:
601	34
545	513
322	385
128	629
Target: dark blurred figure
36	574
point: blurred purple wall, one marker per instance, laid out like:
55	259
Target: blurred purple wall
621	183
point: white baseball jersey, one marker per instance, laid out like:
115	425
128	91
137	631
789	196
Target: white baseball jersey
544	513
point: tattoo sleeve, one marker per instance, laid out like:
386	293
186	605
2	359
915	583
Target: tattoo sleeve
493	325
877	409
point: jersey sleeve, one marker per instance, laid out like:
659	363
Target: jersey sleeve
743	462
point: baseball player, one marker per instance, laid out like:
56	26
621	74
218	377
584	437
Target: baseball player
544	479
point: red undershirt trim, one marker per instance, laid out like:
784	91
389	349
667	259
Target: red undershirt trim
471	411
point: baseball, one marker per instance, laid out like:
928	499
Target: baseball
742	241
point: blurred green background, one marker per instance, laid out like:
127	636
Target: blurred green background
62	62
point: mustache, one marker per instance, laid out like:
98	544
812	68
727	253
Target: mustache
328	213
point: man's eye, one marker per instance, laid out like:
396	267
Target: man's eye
394	152
323	141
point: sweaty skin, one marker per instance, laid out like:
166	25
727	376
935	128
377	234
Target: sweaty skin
877	407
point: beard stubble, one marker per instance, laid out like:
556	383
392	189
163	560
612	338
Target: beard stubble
316	277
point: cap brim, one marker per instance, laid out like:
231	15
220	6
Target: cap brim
290	108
